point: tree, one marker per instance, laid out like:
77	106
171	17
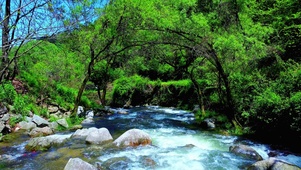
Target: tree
105	39
104	72
23	21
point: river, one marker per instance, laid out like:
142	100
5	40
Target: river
176	145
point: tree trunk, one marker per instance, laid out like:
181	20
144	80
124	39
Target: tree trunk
230	108
199	94
82	88
103	95
98	93
5	42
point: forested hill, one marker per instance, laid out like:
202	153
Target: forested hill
238	60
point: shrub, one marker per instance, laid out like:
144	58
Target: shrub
125	87
7	93
21	105
14	120
67	93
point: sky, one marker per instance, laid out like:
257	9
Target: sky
48	18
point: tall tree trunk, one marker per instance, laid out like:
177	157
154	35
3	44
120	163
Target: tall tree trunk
199	94
5	42
98	93
230	107
103	95
82	87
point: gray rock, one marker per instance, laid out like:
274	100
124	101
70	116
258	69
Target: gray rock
88	120
39	121
99	136
30	113
44	131
2	126
80	110
5	118
53	125
63	123
90	114
245	151
53	109
208	123
44	143
28	119
133	137
83	133
3	109
273	164
27	125
78	164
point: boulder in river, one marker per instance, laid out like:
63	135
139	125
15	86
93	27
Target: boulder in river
208	123
273	164
78	164
45	131
99	136
245	151
133	137
44	143
83	133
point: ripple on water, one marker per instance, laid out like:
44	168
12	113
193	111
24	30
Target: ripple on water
174	146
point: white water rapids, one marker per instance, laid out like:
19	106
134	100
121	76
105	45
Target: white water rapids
175	146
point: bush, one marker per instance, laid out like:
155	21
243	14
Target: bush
14	120
67	93
21	104
7	93
125	87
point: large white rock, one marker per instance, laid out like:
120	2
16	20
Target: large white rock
83	133
44	143
99	136
133	137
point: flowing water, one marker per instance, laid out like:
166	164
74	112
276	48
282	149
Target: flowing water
175	146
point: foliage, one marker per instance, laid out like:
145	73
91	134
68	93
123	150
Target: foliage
14	120
66	93
74	121
125	87
21	105
7	93
180	83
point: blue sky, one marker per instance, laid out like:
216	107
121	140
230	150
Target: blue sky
49	18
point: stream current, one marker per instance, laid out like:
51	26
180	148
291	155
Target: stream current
175	146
